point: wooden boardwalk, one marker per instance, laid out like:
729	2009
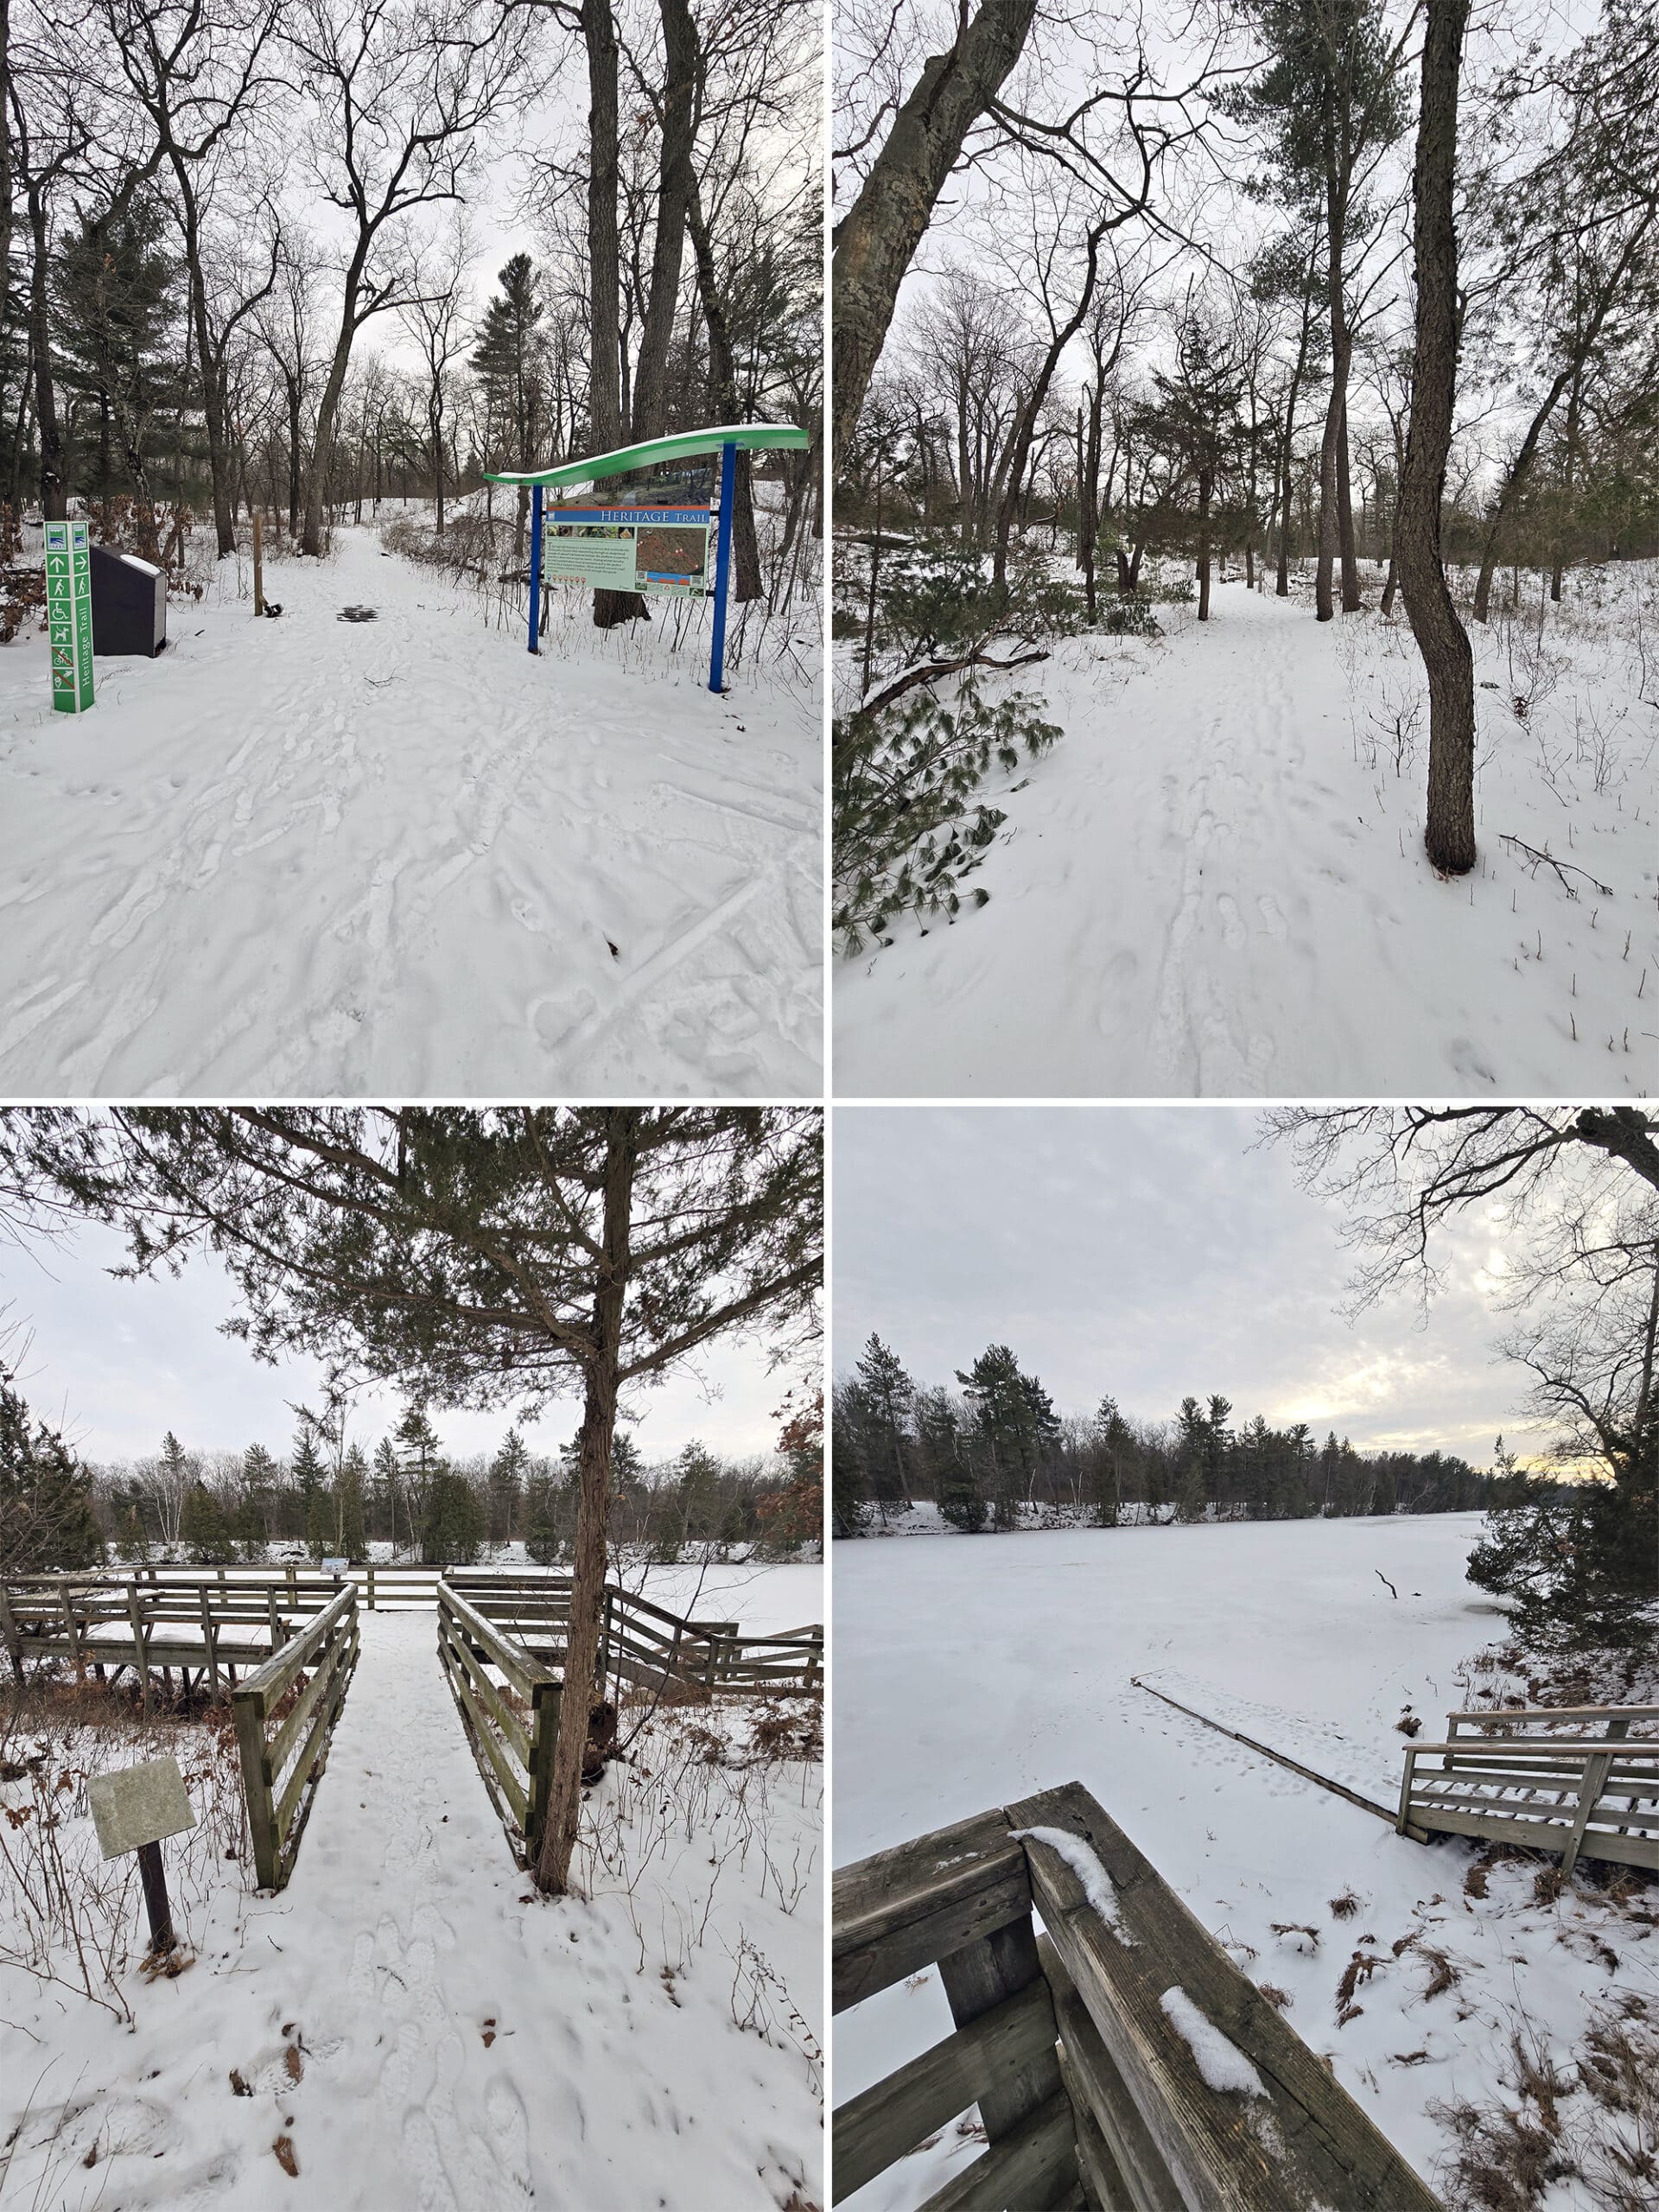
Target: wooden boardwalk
502	1643
1566	1779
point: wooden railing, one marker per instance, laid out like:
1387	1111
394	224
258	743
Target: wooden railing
284	1753
645	1644
384	1588
1119	2061
1510	1777
102	1625
512	1726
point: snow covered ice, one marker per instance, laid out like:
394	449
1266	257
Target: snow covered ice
323	857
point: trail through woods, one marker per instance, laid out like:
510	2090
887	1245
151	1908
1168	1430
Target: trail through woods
321	856
1216	886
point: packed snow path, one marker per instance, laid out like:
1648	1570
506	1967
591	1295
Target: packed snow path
314	856
460	2049
1215	885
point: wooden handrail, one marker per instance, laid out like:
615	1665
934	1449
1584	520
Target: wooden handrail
1079	2047
281	1773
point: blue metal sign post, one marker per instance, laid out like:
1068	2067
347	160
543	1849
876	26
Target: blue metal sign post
722	565
677	562
536	569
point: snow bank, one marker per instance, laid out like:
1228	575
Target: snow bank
1222	2063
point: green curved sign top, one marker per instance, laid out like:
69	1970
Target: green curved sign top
750	436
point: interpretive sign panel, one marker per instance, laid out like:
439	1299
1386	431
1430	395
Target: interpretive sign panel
139	1805
642	548
69	616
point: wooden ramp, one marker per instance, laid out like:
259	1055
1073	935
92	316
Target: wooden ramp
1091	2049
1556	1778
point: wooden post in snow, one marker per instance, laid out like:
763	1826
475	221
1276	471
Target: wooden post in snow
258	562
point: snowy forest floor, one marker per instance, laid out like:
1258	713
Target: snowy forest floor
1215	884
421	2032
973	1672
320	856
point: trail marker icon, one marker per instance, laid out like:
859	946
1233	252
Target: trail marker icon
69	616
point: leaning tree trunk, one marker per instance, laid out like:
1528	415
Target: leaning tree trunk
322	444
1514	484
1441	638
885	225
593	1499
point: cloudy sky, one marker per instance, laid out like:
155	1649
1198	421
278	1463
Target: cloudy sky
118	1363
1149	1253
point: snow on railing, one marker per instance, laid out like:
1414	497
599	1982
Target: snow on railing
1120	2058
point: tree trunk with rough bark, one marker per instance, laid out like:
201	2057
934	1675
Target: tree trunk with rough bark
674	184
593	1499
55	492
1351	601
875	242
604	270
722	378
1441	638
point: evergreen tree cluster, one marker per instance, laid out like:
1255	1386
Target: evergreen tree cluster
994	1452
333	1498
46	1521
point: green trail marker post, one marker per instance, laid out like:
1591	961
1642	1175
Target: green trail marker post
639	546
69	616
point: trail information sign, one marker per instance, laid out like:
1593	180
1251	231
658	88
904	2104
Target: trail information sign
631	545
69	616
661	549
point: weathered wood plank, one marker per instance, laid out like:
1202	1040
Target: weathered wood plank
976	1979
1028	2168
889	2120
1303	2142
486	1739
900	1910
1102	2100
248	1708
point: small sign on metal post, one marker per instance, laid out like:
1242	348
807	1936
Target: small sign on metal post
69	616
132	1811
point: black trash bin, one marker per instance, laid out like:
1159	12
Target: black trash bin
129	604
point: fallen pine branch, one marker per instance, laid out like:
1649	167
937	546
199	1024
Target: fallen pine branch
930	672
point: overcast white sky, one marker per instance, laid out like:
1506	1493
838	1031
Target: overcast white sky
118	1363
1148	1252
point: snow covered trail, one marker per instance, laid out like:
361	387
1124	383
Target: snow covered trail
1215	886
315	857
459	2049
